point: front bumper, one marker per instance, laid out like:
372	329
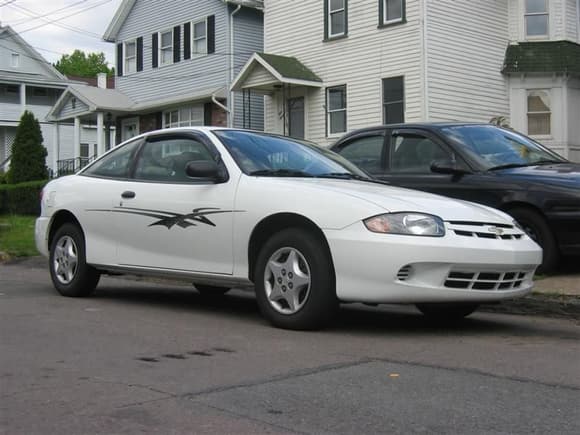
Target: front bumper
385	268
41	235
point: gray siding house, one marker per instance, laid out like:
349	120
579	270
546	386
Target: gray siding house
175	61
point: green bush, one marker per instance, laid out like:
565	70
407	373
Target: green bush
28	161
22	198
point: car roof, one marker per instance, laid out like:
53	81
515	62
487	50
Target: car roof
414	125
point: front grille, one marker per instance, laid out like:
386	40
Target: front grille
487	280
485	230
404	272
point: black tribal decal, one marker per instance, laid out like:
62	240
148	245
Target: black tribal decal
170	219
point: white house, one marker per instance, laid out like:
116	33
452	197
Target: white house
29	82
338	65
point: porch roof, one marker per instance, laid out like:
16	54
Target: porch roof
542	57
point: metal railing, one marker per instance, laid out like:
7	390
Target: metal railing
71	166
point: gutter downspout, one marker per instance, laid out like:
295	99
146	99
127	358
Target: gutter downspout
231	68
217	103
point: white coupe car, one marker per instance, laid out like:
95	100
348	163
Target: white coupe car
227	208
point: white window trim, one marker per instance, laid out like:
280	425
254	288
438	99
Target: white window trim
126	58
328	112
394	20
129	121
179	120
531	14
329	19
15	60
550	112
160	48
193	38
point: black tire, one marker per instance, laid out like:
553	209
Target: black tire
319	303
211	290
537	228
447	312
83	279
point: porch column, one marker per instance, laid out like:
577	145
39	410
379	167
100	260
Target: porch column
77	138
55	148
22	98
100	133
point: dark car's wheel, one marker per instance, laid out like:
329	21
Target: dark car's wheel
535	225
70	273
447	312
211	290
294	281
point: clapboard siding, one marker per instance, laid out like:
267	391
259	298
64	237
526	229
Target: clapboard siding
466	43
563	22
359	61
67	110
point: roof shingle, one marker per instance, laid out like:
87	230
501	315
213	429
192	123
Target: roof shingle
542	57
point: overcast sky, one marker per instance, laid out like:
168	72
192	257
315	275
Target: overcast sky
57	27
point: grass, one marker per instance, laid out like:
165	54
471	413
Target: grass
17	235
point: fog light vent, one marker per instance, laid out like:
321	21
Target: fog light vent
404	272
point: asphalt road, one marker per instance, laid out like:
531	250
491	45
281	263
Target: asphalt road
146	358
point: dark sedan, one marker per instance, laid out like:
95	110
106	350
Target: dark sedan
480	163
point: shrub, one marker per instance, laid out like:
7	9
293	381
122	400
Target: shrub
22	198
28	161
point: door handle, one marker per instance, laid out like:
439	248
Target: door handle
128	194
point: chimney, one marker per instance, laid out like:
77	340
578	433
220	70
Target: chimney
102	80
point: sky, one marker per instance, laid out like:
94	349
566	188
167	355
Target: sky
57	27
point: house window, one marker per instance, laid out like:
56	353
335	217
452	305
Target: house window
536	18
185	116
393	100
130	57
336	18
166	47
539	113
391	11
15	60
336	109
199	37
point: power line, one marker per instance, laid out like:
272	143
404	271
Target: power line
54	11
6	3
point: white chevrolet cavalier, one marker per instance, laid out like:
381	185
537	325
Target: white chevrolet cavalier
230	208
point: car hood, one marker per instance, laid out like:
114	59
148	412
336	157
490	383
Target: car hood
396	199
559	174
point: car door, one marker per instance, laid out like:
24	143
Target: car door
367	151
167	220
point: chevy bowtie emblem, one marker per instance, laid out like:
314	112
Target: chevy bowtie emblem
497	231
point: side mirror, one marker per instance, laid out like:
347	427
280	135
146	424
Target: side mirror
447	166
203	169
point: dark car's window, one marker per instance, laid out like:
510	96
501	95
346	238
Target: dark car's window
166	159
116	164
365	152
414	153
266	154
492	146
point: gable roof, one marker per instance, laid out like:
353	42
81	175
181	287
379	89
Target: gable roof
542	57
124	9
7	32
284	69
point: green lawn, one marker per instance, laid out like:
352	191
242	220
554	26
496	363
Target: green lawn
17	235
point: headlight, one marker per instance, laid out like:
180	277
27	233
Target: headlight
414	224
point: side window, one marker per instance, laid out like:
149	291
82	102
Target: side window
365	152
165	160
414	153
116	164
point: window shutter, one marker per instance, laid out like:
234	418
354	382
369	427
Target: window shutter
187	41
381	12
211	34
140	53
346	17
154	51
176	44
207	109
119	60
326	33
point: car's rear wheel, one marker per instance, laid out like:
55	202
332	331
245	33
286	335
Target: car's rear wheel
294	281
537	228
70	273
211	290
447	312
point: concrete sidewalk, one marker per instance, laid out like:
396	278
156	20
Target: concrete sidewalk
568	285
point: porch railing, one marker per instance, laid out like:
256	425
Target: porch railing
70	166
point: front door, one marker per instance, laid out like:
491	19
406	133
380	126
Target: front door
296	117
170	221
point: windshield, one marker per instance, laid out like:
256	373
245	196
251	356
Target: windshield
271	155
496	148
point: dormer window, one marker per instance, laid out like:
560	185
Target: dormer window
15	60
536	18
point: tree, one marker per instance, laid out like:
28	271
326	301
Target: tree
82	64
28	162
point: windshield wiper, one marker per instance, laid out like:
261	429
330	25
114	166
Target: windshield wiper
349	176
522	165
281	173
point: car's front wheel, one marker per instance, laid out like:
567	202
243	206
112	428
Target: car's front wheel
70	273
294	281
447	312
